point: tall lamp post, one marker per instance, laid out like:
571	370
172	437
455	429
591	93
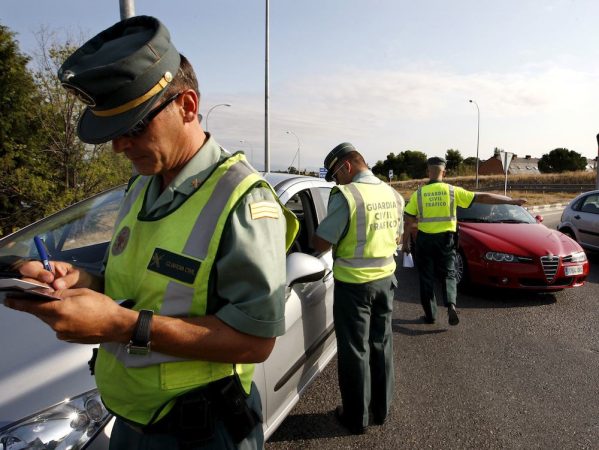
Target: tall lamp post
297	152
251	149
477	137
210	110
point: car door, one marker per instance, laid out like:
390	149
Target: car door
586	221
309	340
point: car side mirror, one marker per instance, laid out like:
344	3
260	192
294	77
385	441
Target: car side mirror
539	218
303	268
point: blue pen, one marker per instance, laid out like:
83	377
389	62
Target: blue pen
41	250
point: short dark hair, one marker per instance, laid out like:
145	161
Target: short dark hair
355	158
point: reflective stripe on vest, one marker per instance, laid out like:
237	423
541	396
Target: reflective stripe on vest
365	253
452	209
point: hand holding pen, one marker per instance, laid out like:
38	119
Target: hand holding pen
43	253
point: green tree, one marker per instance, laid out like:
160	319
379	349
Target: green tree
407	165
561	160
454	160
19	131
55	169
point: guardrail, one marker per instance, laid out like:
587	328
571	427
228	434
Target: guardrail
540	187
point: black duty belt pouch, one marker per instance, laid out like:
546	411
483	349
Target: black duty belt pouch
239	419
192	419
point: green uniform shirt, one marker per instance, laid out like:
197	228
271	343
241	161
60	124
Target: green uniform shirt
250	272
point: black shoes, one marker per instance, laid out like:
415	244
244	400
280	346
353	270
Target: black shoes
428	320
452	315
344	420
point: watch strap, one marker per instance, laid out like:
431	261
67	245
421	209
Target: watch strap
140	341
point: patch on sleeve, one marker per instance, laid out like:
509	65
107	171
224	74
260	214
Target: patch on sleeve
263	210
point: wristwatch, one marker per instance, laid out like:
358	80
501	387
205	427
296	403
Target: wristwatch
140	341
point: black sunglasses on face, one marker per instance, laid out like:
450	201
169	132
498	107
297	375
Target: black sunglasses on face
139	128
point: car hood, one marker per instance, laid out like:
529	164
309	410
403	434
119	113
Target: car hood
520	238
37	370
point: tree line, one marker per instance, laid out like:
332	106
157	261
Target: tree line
45	167
411	164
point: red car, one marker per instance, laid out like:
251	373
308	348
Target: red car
504	246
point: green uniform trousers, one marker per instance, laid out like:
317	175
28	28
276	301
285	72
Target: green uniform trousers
435	257
362	315
124	437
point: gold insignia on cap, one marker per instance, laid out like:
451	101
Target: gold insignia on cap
168	77
263	210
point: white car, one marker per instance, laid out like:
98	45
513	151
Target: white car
580	220
47	395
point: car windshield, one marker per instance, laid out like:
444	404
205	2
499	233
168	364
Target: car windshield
79	233
483	213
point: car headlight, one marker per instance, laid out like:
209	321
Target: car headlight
67	425
500	257
578	257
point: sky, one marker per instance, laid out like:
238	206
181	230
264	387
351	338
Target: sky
385	75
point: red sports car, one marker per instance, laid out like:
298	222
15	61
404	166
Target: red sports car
504	246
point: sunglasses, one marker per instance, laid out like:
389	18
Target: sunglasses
140	127
334	174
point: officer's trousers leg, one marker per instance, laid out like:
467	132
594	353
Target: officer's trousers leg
351	313
447	269
425	263
381	349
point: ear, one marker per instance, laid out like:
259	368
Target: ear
190	105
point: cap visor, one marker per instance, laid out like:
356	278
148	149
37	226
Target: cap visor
94	129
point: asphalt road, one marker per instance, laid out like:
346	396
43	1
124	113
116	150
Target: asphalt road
520	371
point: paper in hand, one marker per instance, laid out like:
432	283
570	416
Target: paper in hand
17	288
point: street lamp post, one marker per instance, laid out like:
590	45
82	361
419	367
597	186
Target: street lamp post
297	152
477	137
251	149
210	110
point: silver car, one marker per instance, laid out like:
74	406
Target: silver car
47	395
580	220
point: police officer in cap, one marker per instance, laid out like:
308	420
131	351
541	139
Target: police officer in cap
176	367
363	224
433	207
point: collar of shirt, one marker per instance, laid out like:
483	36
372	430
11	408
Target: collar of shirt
365	176
186	182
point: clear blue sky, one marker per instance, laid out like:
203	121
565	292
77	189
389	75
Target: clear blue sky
386	75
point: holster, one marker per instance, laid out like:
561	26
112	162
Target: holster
193	417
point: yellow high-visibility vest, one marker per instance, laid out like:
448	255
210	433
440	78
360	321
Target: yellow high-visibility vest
165	265
366	251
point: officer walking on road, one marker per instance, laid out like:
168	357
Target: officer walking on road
363	225
434	208
176	368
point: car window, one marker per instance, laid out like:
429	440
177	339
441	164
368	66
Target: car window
82	226
480	212
590	204
302	205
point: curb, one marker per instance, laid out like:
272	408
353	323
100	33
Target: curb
546	207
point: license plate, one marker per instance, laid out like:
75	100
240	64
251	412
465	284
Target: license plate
573	270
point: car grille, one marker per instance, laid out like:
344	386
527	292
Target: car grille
550	264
